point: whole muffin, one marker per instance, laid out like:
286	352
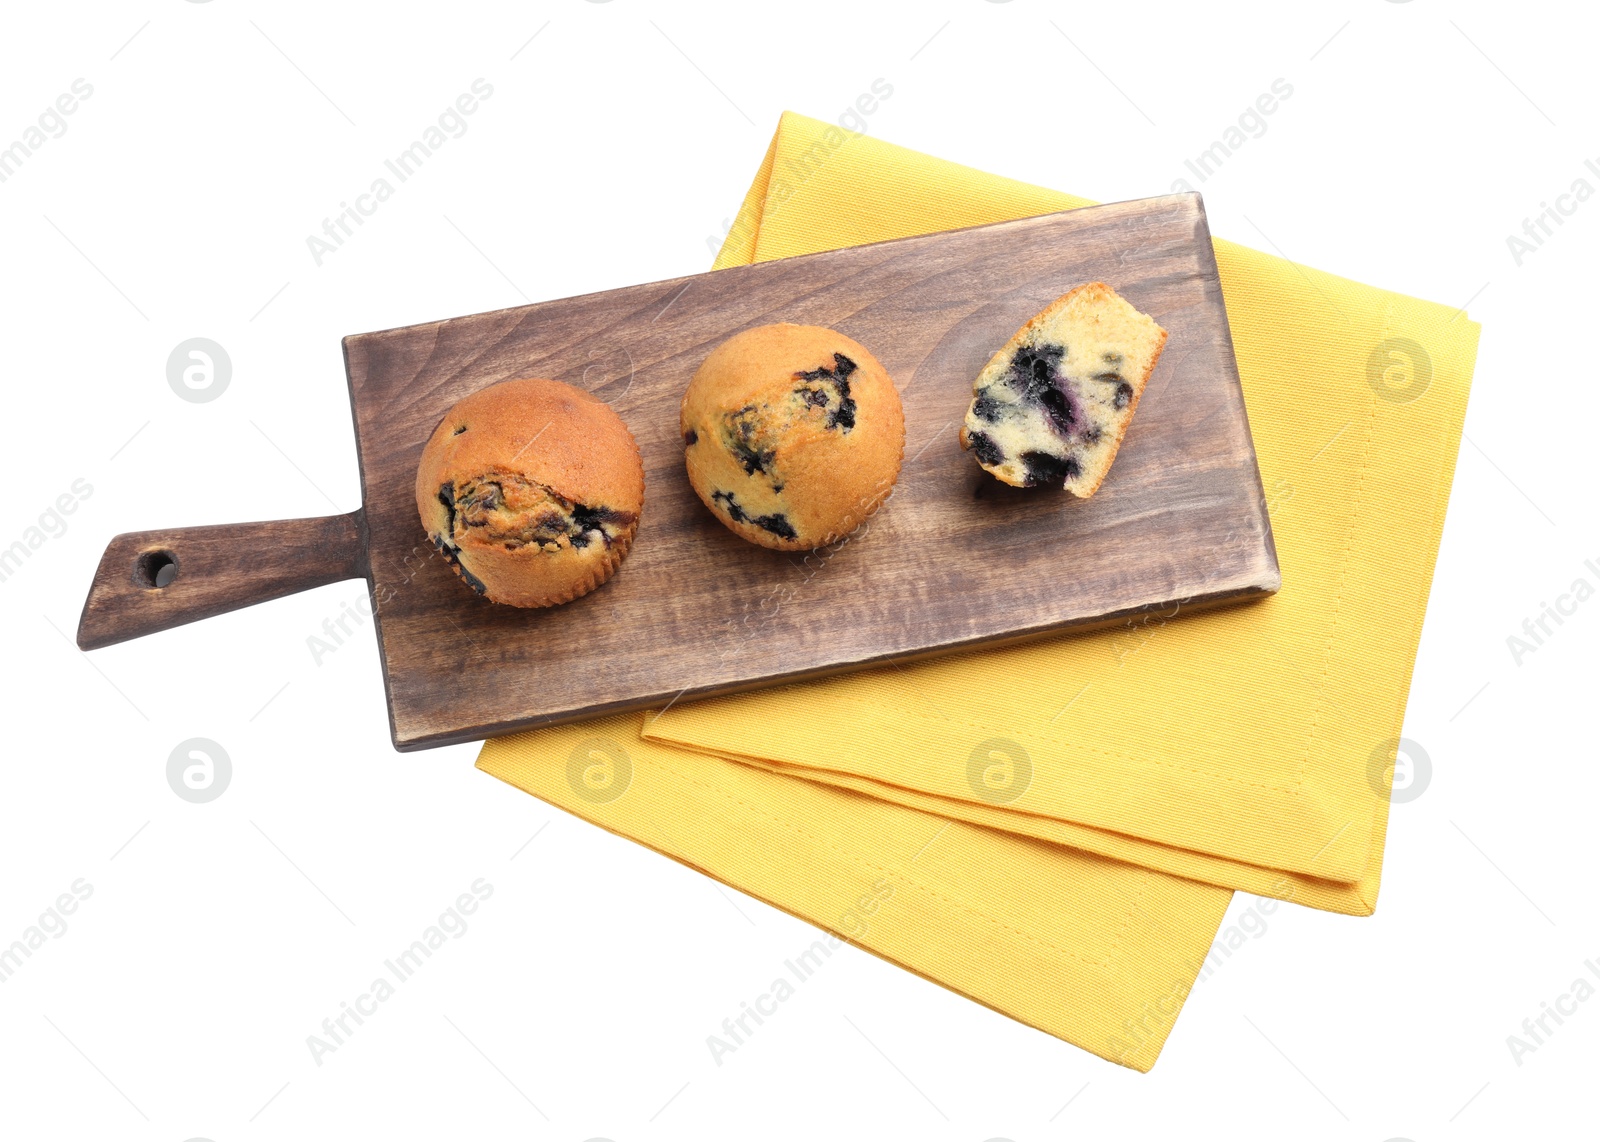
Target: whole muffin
792	434
531	490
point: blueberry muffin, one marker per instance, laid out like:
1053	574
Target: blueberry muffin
792	435
532	491
1050	409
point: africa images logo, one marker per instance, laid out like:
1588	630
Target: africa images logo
199	770
999	770
599	770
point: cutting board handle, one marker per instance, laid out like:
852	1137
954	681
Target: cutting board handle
151	580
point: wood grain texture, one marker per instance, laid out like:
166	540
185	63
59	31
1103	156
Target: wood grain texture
953	560
213	570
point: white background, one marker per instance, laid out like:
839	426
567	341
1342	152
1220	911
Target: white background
218	937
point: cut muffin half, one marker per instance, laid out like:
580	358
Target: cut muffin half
1051	407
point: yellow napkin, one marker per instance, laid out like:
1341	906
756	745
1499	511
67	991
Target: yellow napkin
1093	951
1247	748
1097	951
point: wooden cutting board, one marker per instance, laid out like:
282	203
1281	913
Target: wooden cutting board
953	560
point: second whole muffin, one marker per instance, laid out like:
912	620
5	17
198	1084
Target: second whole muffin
793	435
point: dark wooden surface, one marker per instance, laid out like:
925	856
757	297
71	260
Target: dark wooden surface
213	570
954	559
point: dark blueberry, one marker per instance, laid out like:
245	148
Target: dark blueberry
729	505
740	437
1034	372
1092	436
453	558
1123	396
986	407
1045	470
842	367
549	527
691	437
480	498
985	449
586	519
844	416
1058	410
447	497
777	523
1033	368
471	580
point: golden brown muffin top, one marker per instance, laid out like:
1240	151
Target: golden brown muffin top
793	433
548	431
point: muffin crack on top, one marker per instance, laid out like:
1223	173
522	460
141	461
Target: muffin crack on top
513	511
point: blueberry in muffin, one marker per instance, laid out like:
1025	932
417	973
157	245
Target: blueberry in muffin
1051	407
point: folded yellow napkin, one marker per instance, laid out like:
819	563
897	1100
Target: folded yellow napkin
1245	747
1093	951
1017	903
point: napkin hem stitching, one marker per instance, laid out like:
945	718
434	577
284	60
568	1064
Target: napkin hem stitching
1344	575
